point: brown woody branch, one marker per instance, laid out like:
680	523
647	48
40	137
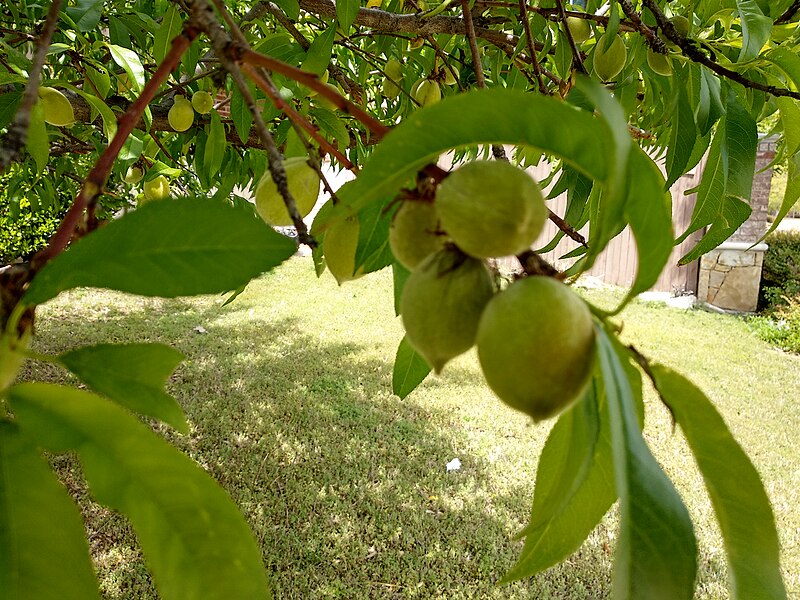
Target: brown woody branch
691	50
17	135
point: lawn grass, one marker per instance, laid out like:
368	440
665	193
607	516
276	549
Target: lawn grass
289	398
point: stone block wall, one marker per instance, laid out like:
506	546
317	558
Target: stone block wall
729	277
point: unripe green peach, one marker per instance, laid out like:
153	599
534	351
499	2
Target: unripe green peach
682	25
57	109
339	247
390	89
609	63
660	63
393	69
427	92
181	115
202	102
414	233
449	78
323	79
442	303
323	102
304	184
491	208
536	346
133	175
156	189
579	28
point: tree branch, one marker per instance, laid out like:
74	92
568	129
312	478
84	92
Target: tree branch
17	135
693	52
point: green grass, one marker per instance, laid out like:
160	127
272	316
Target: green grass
344	484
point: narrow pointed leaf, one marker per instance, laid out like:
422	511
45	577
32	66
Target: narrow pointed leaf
656	553
683	135
170	27
168	248
132	375
410	369
756	28
741	144
648	210
38	143
346	12
737	493
194	539
791	195
44	550
574	486
732	214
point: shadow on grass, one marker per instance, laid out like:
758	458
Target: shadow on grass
343	484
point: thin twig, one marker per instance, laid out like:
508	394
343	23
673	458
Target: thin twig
469	26
655	42
790	12
568	229
537	70
17	135
310	80
577	61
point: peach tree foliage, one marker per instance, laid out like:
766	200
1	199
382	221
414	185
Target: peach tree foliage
694	79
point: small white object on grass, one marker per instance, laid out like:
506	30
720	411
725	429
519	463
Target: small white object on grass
453	465
200	329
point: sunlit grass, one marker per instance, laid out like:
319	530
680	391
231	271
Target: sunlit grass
344	484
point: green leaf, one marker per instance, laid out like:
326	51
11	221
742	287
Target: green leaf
788	61
373	252
215	145
86	14
108	116
129	61
318	56
410	369
331	124
496	116
194	539
346	12
290	7
790	195
682	137
574	486
399	276
240	114
167	248
45	554
732	213
656	553
756	29
131	374
170	27
712	106
737	493
790	119
8	107
38	143
741	143
711	191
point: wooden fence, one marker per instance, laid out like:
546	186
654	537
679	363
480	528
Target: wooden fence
617	263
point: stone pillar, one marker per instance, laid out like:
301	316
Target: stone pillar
730	275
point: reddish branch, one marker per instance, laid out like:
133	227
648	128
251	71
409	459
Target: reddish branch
93	184
296	117
17	135
310	80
